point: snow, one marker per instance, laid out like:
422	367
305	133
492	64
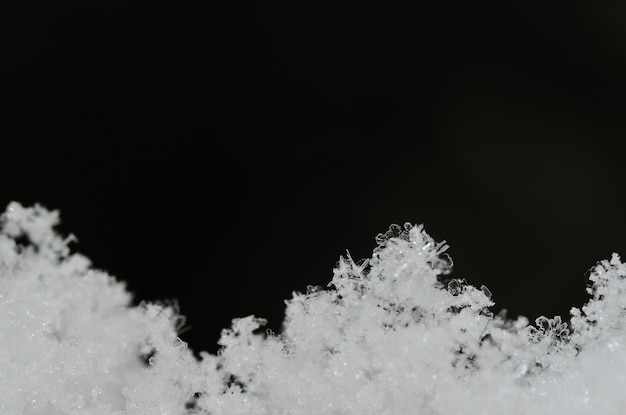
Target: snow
389	335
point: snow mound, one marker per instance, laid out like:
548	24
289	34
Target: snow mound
389	335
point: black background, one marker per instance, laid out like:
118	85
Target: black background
225	154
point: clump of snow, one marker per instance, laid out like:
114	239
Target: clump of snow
69	341
390	335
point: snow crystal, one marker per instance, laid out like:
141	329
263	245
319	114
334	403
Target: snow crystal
393	334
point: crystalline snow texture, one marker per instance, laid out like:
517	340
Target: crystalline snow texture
391	335
70	342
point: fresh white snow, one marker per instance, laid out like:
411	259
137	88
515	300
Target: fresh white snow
390	335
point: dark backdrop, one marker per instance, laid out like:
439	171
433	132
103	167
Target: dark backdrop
226	154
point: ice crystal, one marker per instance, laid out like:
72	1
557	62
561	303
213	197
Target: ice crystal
390	335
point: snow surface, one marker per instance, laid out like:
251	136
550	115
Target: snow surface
389	335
